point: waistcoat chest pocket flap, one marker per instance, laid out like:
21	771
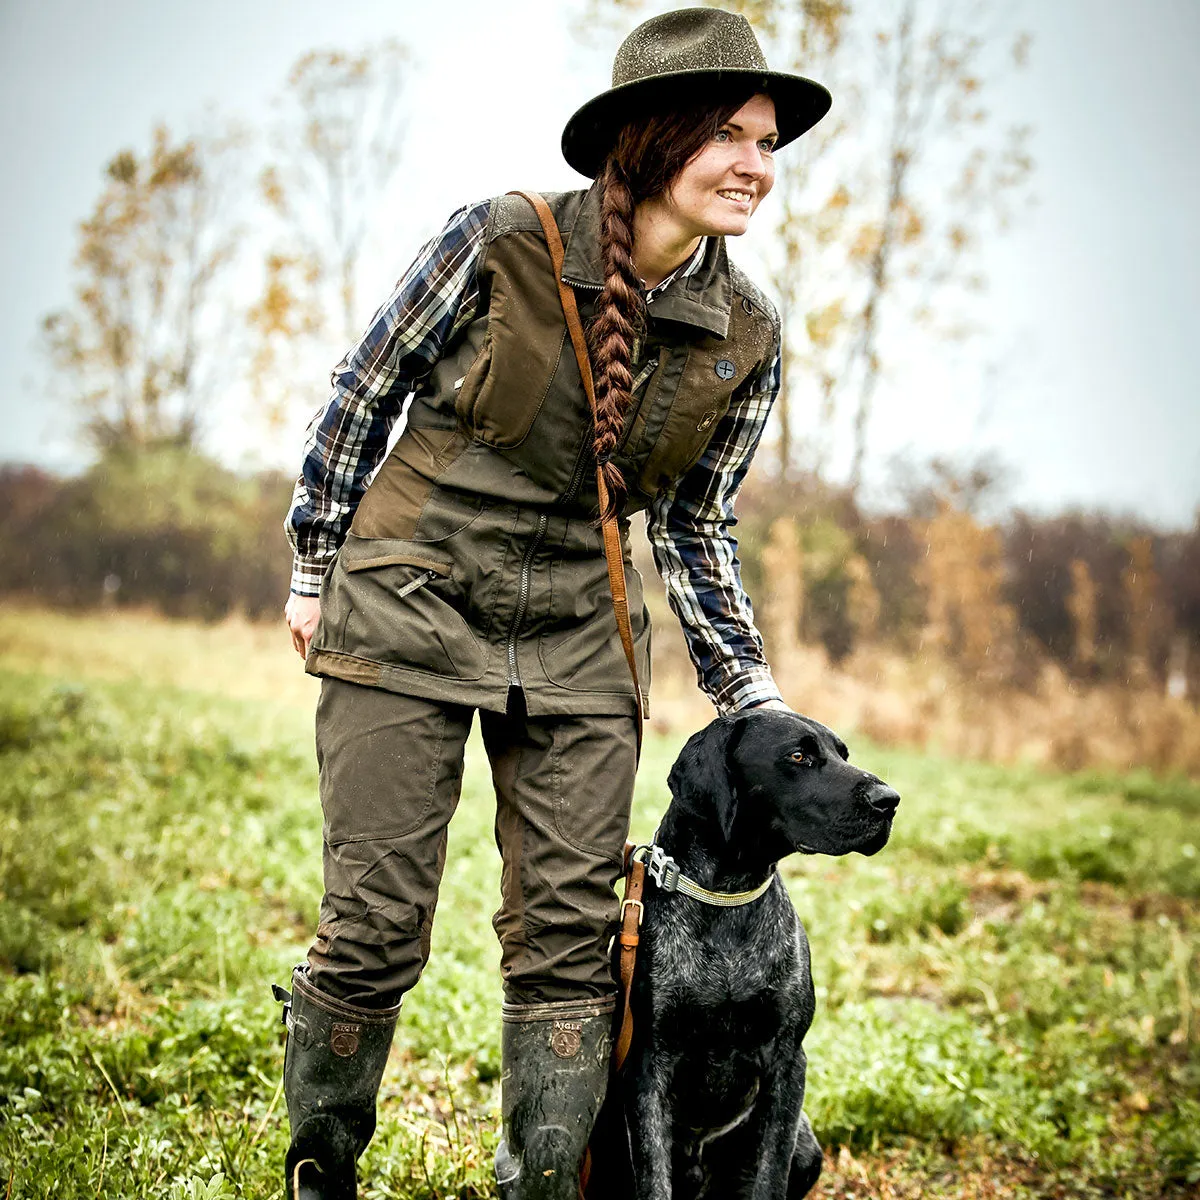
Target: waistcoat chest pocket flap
701	396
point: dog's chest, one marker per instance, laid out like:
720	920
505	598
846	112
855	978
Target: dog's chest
722	991
721	1057
713	961
696	976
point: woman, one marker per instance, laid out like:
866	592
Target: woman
469	575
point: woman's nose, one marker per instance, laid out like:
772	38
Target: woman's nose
750	162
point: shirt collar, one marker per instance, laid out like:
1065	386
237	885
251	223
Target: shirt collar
702	299
690	267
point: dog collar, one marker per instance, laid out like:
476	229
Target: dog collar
665	872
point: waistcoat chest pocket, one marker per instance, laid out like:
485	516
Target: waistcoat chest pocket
506	387
692	392
677	422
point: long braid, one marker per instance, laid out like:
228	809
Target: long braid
620	319
647	157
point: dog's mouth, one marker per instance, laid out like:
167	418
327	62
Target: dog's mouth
860	838
876	839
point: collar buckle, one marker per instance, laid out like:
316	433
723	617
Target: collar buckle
663	869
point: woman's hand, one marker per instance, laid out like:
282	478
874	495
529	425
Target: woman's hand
302	614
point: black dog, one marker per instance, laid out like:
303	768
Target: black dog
708	1103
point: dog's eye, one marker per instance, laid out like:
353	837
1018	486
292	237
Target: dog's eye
800	757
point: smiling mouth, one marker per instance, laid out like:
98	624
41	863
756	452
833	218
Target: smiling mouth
736	196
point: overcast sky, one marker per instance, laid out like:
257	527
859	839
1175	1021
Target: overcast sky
1085	382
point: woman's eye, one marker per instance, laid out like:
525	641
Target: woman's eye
768	145
722	135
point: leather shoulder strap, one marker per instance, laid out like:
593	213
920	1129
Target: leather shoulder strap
609	530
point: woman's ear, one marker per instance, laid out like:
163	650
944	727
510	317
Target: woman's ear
701	781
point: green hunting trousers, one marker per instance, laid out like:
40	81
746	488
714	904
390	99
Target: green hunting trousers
390	777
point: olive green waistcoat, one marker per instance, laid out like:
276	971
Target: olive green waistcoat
472	564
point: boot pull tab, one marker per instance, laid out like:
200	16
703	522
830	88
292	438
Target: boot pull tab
284	997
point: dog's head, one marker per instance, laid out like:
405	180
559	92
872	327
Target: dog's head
784	783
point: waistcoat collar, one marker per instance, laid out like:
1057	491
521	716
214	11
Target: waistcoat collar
701	299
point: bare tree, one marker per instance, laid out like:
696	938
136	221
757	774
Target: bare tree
140	346
336	149
885	204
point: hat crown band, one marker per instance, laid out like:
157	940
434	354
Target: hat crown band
692	39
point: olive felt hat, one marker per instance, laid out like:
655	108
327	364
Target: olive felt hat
695	49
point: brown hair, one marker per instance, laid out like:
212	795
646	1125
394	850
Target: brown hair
649	154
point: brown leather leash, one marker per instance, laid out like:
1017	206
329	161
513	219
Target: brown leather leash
632	911
608	526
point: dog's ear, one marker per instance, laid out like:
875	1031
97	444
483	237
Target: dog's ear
701	780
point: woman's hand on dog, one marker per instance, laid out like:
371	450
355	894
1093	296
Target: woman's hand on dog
778	705
302	614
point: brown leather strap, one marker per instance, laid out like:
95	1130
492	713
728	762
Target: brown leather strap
631	920
609	530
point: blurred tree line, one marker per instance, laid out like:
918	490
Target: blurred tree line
1107	598
167	528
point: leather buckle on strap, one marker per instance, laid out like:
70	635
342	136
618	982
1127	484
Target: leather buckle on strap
633	904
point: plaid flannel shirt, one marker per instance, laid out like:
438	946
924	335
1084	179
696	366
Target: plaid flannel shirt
689	525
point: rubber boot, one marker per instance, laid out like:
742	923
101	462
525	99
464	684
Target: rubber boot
332	1068
555	1072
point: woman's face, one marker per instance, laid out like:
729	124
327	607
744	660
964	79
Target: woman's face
719	189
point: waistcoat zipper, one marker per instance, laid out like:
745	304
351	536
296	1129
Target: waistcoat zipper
642	376
514	676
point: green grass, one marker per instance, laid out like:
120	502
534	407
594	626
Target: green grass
1007	993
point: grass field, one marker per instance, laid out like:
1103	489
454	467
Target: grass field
1009	994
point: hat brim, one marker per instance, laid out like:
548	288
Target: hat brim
591	132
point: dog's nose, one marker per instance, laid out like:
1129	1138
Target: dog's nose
883	799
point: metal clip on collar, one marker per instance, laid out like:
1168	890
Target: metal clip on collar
660	866
666	873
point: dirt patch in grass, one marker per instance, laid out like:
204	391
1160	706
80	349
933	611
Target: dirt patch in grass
973	1173
1002	893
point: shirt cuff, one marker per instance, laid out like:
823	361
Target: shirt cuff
745	688
307	574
